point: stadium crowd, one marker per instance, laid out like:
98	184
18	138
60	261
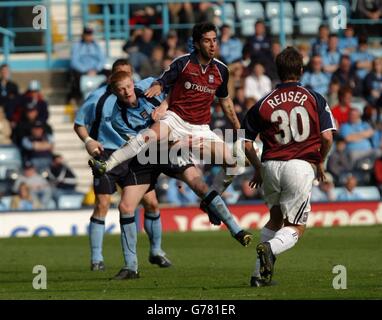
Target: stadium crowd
339	66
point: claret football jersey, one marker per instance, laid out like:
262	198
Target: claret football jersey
290	120
194	86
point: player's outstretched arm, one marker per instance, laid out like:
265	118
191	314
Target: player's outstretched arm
93	147
229	111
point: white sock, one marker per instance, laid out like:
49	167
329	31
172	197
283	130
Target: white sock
128	151
265	235
283	240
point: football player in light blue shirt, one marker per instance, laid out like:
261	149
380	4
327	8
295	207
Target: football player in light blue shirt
93	124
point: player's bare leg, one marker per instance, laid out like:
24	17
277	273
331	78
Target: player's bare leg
153	228
130	198
214	204
97	231
159	131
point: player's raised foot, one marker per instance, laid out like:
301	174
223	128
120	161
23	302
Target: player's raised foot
125	274
258	282
244	237
97	266
161	261
98	166
267	260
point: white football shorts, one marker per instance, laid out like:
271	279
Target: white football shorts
289	185
181	129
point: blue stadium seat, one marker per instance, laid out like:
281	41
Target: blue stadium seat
224	13
331	7
248	13
275	26
90	83
309	25
308	9
272	9
249	10
70	201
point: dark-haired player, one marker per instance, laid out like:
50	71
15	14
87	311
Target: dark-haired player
295	125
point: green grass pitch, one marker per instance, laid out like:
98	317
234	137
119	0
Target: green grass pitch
207	265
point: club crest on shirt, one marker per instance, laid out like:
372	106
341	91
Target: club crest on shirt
144	114
211	78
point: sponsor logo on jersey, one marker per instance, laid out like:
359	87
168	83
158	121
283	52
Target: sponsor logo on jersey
193	86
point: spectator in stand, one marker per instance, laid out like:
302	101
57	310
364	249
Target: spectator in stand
23	200
257	84
239	103
24	127
320	45
219	120
341	111
339	163
9	91
348	43
347	76
139	48
331	57
181	12
5	129
304	50
350	192
170	44
236	78
373	82
87	58
33	98
357	134
334	88
323	191
370	9
38	185
230	47
37	147
61	177
155	66
143	14
362	59
315	78
258	46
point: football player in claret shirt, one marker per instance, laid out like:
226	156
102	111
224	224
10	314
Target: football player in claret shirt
295	125
194	79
